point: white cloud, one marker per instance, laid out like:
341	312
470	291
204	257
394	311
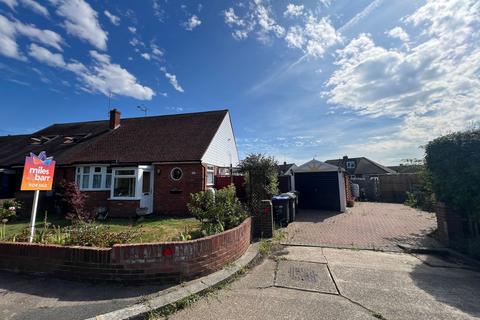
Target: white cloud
113	18
313	38
103	76
192	23
232	19
30	4
173	80
46	56
156	50
10	30
293	10
82	21
8	45
146	56
10	3
132	29
259	18
398	33
433	88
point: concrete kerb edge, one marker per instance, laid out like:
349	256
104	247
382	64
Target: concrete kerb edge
440	251
184	290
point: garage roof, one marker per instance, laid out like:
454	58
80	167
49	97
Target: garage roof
316	166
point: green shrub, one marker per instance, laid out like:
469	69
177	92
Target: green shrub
9	209
453	164
91	234
261	178
217	211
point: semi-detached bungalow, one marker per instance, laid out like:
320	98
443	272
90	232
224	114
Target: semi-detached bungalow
153	163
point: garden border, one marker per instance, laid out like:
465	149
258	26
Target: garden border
164	262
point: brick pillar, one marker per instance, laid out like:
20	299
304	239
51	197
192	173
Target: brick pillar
263	220
348	191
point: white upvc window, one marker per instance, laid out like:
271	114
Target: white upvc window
94	177
351	164
125	184
210	175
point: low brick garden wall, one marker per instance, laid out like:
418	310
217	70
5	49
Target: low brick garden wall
166	262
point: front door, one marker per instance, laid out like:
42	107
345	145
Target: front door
147	190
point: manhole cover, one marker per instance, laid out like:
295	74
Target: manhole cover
305	276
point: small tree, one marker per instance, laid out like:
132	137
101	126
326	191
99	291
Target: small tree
261	173
72	202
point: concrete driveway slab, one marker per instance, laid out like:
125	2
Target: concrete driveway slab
305	276
371	284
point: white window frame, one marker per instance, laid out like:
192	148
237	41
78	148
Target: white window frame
138	186
350	164
79	173
211	169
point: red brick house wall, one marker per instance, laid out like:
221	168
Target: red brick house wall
348	191
132	263
170	196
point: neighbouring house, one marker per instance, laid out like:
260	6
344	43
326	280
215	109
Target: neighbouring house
321	186
285	176
365	173
152	163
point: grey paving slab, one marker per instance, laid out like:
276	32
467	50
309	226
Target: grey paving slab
273	304
398	287
305	276
299	253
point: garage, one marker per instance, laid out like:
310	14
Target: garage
321	186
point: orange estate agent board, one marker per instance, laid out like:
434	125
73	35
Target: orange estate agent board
38	173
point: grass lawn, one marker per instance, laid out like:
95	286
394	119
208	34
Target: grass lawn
153	229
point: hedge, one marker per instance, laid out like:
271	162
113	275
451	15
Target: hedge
453	163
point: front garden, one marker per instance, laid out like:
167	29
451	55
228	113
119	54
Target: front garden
212	213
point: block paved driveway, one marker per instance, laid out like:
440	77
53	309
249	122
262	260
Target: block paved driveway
368	225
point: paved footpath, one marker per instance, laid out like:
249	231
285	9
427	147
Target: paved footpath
323	283
367	225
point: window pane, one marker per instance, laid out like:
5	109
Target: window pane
108	181
176	173
85	181
97	181
86	170
78	179
98	169
124	187
210	178
146	182
125	172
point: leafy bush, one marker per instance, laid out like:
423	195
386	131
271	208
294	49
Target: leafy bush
9	209
91	234
453	162
80	233
261	175
72	202
217	211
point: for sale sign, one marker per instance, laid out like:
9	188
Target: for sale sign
38	172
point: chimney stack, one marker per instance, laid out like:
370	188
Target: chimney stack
114	119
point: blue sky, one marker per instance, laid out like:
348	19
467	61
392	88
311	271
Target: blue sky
302	79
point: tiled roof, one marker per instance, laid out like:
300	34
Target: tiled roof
181	137
362	166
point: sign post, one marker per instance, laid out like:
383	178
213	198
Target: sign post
37	176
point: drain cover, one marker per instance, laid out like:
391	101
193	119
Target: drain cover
305	276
